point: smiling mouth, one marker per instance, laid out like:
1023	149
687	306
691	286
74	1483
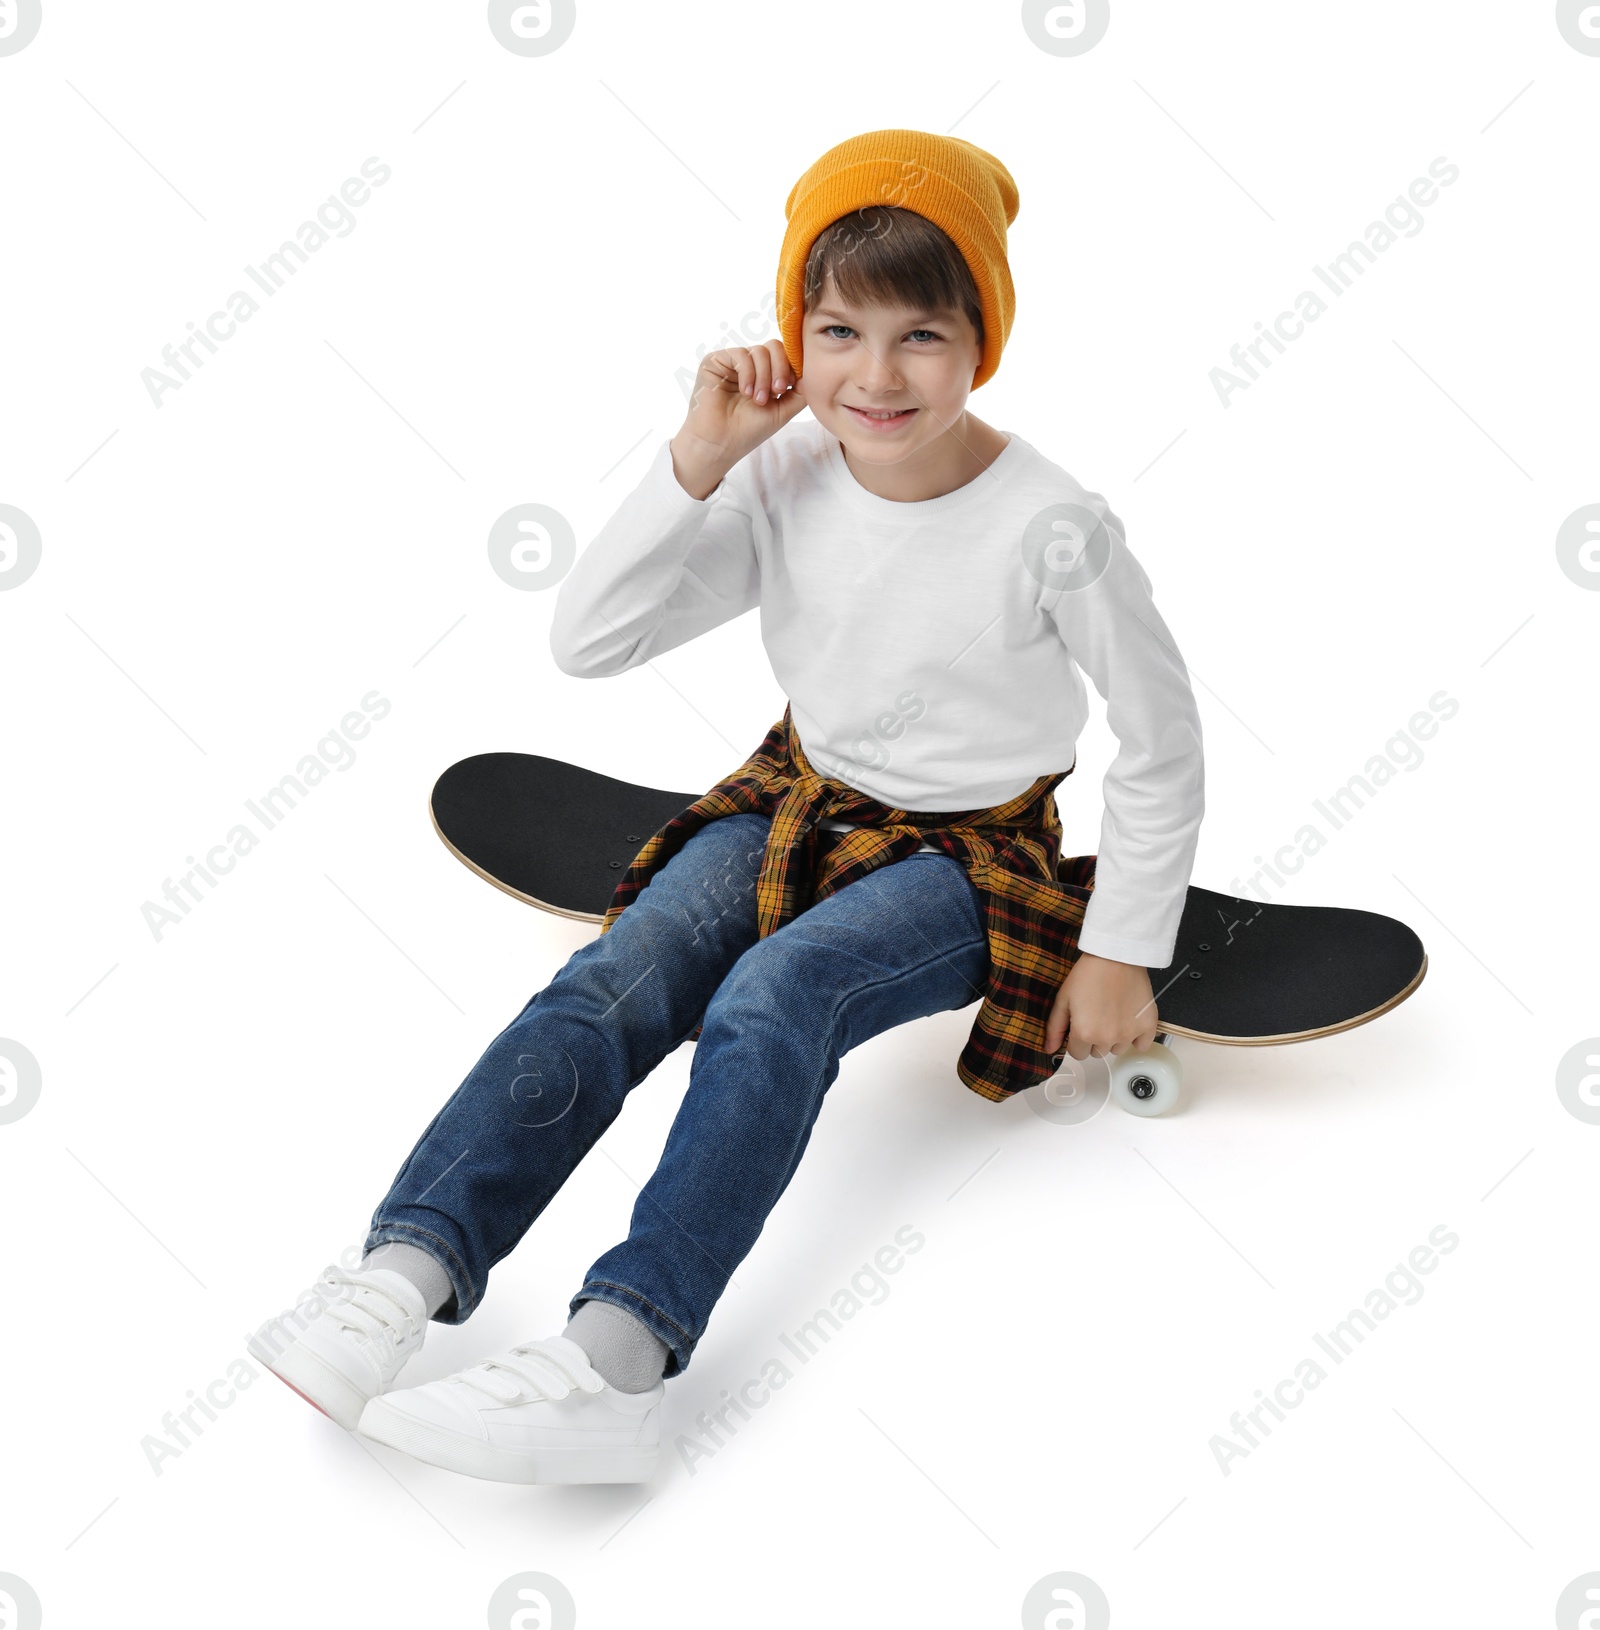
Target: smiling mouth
881	416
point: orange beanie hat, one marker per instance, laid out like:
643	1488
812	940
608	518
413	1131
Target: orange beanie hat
960	188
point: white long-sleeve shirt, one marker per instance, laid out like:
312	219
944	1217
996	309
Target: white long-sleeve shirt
930	651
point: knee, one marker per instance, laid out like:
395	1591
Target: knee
776	987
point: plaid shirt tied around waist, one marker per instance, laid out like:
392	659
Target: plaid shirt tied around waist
1033	899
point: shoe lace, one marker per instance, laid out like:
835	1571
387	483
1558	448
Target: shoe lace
550	1368
367	1308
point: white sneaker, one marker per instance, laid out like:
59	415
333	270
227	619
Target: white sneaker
349	1352
540	1413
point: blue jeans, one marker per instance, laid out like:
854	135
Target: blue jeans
905	940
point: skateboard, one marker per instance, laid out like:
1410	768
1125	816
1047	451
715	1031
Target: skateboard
1245	973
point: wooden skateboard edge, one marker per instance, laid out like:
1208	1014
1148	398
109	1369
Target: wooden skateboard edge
1296	1035
506	888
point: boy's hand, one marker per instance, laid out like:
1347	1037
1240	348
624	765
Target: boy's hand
1103	1007
740	397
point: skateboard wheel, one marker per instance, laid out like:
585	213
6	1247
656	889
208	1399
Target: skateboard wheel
1147	1083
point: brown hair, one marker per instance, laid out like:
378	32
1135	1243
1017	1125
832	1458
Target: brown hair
882	255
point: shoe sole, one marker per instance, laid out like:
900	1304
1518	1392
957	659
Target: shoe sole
321	1387
437	1446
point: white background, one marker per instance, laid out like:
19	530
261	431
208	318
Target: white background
305	521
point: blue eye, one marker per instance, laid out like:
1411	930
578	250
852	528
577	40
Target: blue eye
833	328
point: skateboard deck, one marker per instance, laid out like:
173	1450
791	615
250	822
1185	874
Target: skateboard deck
1244	973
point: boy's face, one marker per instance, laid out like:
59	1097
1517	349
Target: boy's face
918	363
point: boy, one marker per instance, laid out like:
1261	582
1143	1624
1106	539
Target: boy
929	588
